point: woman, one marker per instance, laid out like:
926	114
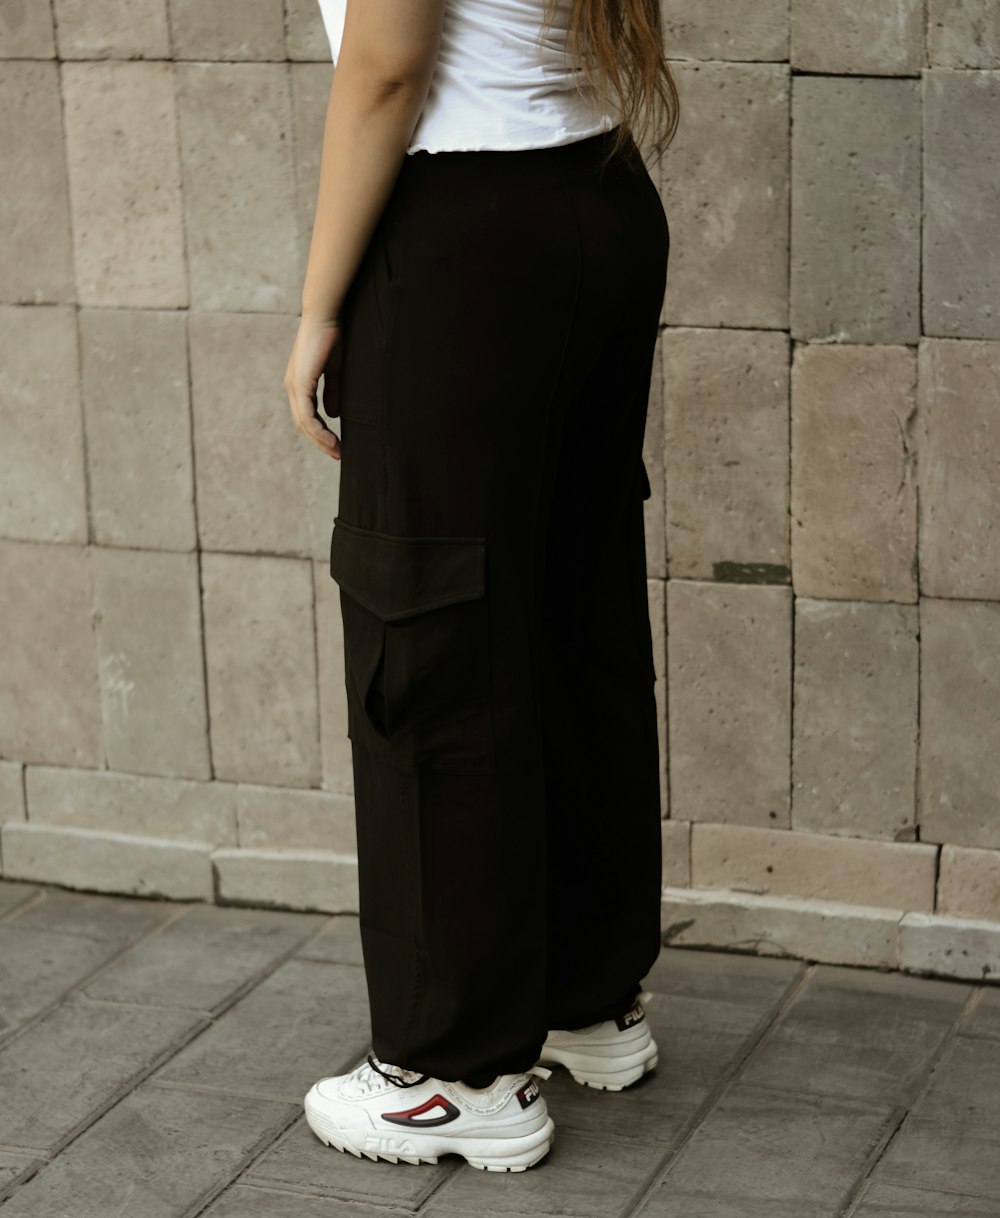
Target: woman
482	299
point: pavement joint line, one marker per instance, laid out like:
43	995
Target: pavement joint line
32	898
84	1000
753	1041
857	1192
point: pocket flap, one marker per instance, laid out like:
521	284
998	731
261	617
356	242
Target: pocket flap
396	577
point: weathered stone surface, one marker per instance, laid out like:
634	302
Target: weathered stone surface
49	700
963	34
338	773
36	258
43	495
291	879
853	492
726	450
898	875
151	665
854	748
828	931
729	681
969	883
866	39
11	791
949	947
26	30
207	31
260	656
138	422
339	942
270	818
203	959
883	1200
108	862
675	838
959	443
959	711
855	274
158	1153
310	92
115	29
961	201
714	30
251	464
305	35
177	808
125	185
235	124
725	187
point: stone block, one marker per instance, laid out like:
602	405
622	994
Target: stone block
726	452
26	30
151	664
174	808
961	284
255	473
204	959
859	37
260	655
125	184
36	257
305	34
104	1049
855	273
827	931
207	31
235	123
853	482
852	870
714	30
950	946
291	879
11	791
854	746
959	776
43	495
338	771
138	422
963	34
656	596
959	444
112	29
729	686
310	92
107	862
725	190
270	818
49	695
969	883
157	1153
676	843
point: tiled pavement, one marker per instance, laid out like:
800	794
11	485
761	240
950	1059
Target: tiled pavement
154	1055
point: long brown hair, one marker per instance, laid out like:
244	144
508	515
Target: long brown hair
619	45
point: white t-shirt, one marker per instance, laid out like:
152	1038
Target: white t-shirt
496	83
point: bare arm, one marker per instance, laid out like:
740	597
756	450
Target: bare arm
380	85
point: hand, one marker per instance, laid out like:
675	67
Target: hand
317	352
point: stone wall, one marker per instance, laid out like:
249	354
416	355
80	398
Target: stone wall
823	444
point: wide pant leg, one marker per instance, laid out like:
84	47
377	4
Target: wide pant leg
490	555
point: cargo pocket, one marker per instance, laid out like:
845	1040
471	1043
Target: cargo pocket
417	648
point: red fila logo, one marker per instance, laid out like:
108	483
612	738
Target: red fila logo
528	1093
435	1111
632	1016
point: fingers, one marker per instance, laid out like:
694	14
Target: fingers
309	424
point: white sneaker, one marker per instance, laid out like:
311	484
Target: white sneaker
387	1112
608	1055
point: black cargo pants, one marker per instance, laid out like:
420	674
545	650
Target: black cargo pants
489	550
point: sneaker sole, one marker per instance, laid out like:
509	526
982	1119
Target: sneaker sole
591	1074
487	1154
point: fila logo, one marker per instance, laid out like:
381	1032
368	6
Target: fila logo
392	1146
528	1093
435	1111
633	1016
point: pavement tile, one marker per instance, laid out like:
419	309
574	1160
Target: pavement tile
965	1086
339	942
105	919
101	1050
580	1177
950	1156
242	1202
299	1160
769	1152
307	1020
896	1201
857	1033
202	958
13	1169
985	1018
157	1154
12	895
